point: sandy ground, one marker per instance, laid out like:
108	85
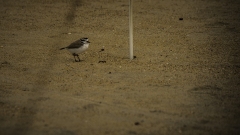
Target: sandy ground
185	78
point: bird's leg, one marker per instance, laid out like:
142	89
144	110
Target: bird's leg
75	59
78	58
74	54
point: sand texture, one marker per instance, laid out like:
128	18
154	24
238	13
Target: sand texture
185	78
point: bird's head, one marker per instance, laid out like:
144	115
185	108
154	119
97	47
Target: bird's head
84	39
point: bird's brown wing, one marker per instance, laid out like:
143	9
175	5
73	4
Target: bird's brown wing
75	44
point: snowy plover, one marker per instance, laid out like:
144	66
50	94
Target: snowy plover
77	47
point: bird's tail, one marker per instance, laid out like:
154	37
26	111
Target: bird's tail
62	48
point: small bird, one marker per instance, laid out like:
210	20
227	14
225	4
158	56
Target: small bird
77	47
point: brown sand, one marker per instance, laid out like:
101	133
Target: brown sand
185	79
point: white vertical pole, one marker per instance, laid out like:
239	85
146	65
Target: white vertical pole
130	30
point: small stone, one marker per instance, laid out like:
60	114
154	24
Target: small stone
102	49
136	123
102	61
5	63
